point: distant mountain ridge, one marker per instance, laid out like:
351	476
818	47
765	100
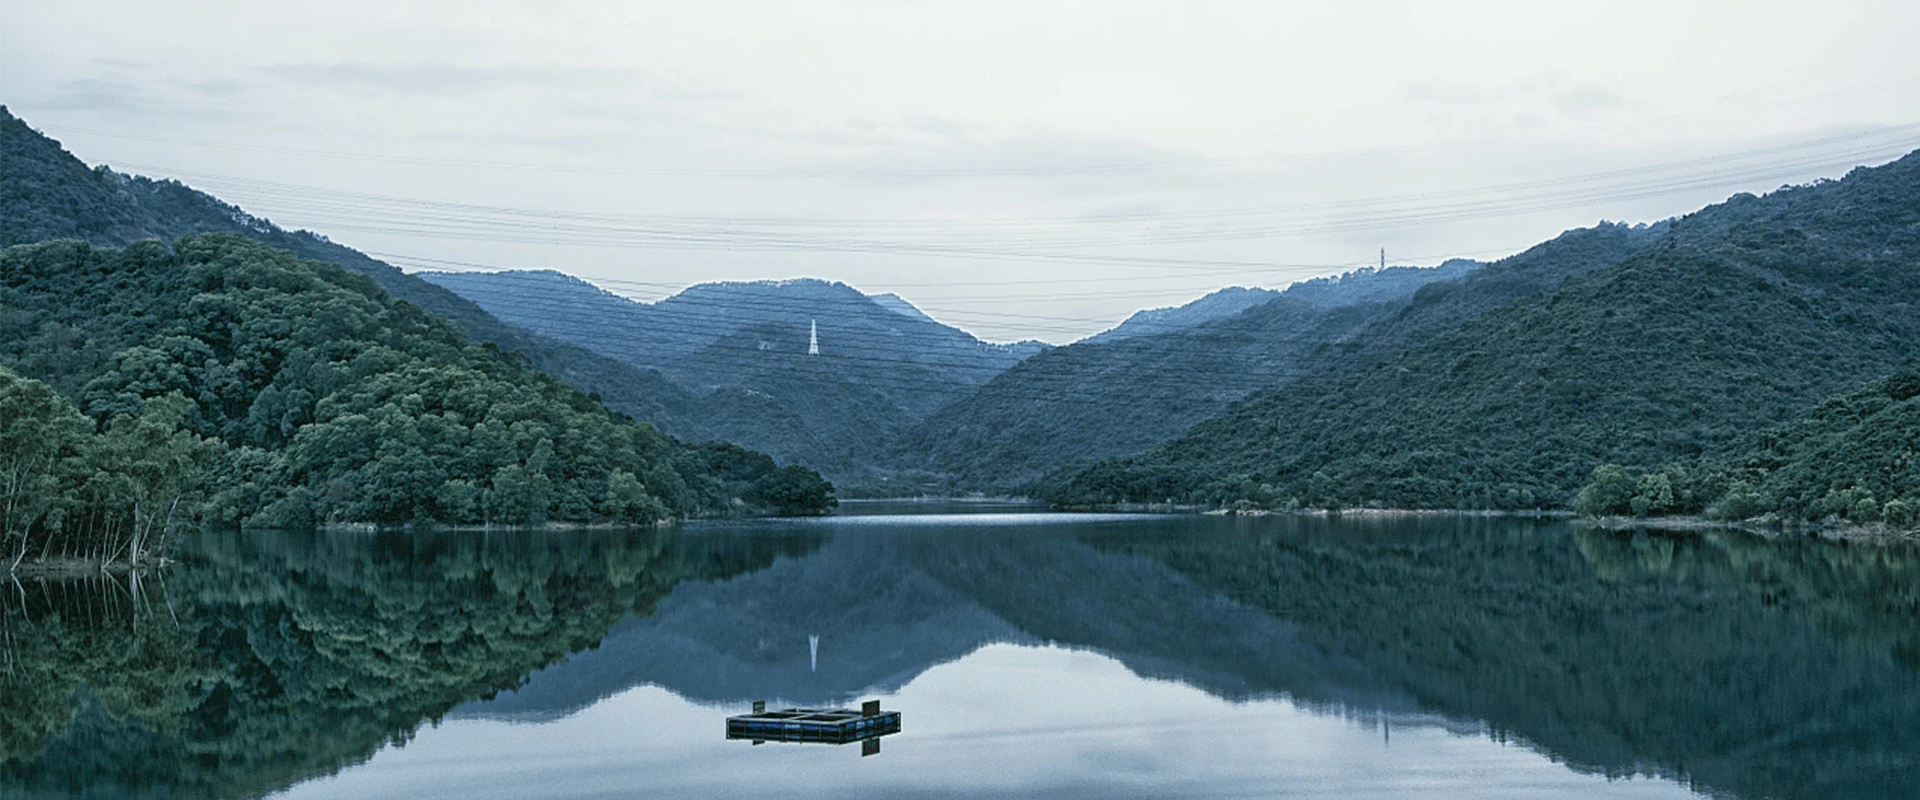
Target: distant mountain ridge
46	193
898	304
1216	305
663	334
746	350
1365	285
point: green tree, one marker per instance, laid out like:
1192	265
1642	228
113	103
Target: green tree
1653	494
41	435
143	467
792	490
1610	491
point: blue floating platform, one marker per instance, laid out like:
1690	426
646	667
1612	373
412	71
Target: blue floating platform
830	726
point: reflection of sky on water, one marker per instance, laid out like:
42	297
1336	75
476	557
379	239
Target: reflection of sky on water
1004	720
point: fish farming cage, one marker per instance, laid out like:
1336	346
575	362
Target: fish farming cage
830	726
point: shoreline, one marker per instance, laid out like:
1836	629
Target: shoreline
1768	526
65	568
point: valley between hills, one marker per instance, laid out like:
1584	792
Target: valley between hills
1752	359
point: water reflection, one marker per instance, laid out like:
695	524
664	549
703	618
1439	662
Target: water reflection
293	654
1068	655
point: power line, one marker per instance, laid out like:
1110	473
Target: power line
414	218
1858	145
1035	170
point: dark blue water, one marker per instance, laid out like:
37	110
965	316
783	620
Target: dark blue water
1029	654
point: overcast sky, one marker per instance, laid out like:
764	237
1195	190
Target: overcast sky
1020	169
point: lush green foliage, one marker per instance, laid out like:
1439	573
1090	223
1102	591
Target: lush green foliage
71	491
338	404
1737	318
1855	457
1062	411
46	193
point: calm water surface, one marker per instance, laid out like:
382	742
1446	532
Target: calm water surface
1029	654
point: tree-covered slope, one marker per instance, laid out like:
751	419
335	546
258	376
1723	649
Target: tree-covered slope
1740	316
1441	305
1854	457
336	403
46	193
1071	407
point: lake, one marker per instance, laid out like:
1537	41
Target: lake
1029	654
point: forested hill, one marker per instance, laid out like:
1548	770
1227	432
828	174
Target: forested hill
236	380
46	193
746	351
1070	407
1854	457
1737	317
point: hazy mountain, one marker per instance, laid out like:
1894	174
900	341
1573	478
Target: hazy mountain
1222	303
46	193
1370	285
1367	285
1734	318
897	304
748	351
688	334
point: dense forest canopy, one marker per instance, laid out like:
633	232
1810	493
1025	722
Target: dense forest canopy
1855	457
328	401
1736	318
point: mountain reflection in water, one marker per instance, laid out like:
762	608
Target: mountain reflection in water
1055	654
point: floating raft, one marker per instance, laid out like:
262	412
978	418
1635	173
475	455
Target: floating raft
831	726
